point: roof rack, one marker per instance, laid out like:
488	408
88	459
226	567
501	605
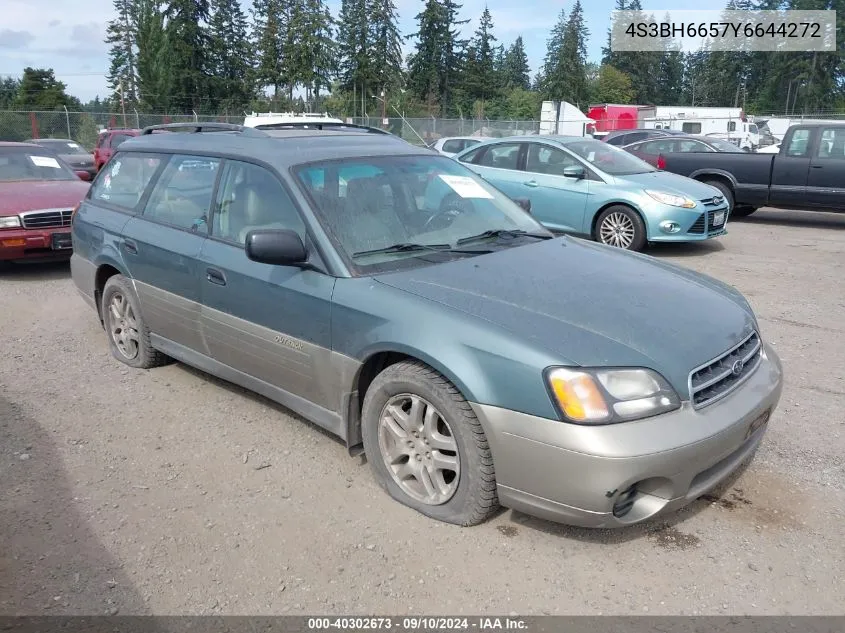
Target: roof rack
203	126
313	125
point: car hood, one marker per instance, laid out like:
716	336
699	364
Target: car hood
592	305
27	195
673	183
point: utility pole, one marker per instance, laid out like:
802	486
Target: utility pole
384	106
122	102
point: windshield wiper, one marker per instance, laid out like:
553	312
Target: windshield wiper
501	232
410	247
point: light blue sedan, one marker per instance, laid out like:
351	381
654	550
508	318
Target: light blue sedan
586	187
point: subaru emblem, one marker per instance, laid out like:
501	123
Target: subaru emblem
736	370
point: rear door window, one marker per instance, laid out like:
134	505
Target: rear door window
123	181
504	156
182	195
453	146
832	144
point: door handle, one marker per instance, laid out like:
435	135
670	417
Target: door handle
530	183
130	247
817	166
215	276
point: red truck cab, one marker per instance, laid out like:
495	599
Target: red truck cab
38	193
107	142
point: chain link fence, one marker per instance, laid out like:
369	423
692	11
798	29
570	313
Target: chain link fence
83	127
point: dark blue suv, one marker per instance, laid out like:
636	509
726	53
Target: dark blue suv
400	301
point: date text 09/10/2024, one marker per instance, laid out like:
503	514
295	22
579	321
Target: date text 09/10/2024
422	623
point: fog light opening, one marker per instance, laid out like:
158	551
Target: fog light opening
625	501
667	226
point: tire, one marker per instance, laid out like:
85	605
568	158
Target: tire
473	498
629	233
140	354
726	191
743	212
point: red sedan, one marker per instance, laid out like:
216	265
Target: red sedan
38	193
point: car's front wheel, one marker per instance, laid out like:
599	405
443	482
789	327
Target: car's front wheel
426	447
622	227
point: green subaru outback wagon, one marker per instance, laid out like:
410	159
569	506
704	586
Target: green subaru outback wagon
395	298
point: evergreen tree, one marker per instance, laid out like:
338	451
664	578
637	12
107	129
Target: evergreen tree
9	87
189	52
268	34
553	84
574	56
121	36
310	48
481	78
230	59
355	66
426	66
40	90
515	70
454	54
155	73
385	44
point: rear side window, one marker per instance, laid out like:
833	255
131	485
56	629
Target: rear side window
453	146
832	144
620	140
182	195
691	128
117	139
124	180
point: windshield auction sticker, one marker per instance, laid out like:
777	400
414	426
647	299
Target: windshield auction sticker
466	187
690	31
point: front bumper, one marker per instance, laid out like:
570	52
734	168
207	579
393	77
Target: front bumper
695	224
34	244
576	474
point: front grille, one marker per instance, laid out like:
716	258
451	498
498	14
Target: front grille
707	217
46	219
721	376
708	202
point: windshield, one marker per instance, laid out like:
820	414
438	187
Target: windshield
609	158
429	205
724	146
61	146
25	163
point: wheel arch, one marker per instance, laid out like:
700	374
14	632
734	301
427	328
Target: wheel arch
375	361
616	203
106	269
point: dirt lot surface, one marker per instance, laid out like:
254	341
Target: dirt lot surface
169	492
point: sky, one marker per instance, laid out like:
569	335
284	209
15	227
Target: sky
58	34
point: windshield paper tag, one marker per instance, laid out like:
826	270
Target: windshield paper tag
466	187
45	161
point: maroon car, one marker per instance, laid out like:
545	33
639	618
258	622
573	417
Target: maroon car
107	141
38	193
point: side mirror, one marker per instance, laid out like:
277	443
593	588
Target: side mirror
574	171
274	246
83	175
525	203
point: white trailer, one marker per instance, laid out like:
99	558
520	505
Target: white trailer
728	123
561	117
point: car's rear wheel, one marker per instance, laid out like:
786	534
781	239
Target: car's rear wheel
622	227
426	447
129	337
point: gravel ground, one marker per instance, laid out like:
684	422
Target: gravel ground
169	492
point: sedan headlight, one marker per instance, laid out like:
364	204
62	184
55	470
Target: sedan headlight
10	222
671	199
605	396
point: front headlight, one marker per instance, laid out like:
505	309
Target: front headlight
605	396
10	222
671	199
